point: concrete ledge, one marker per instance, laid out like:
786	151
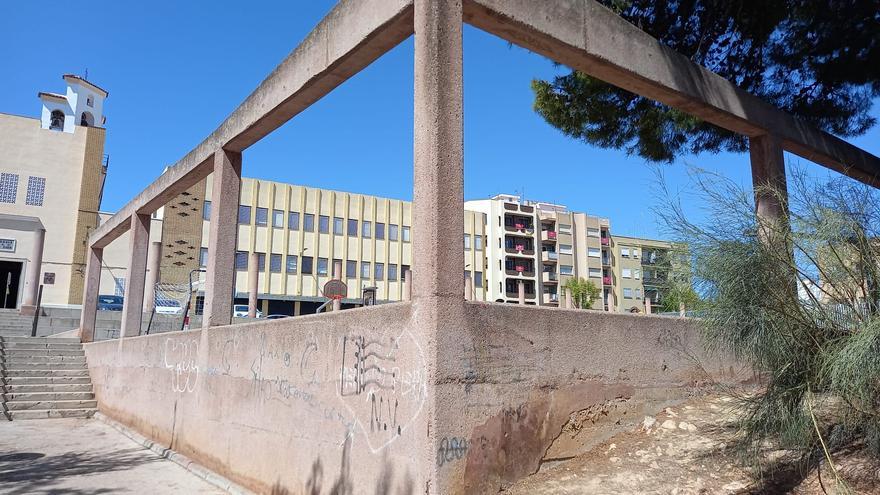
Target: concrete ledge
175	457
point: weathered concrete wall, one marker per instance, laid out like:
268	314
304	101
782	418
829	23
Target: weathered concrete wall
522	384
361	401
315	404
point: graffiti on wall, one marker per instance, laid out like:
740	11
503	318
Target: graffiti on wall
383	391
181	358
360	382
451	449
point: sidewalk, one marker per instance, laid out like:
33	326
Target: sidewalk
84	456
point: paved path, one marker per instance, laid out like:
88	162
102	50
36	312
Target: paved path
84	456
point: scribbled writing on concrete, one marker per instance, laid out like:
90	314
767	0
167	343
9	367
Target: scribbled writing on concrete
368	383
384	391
182	359
451	449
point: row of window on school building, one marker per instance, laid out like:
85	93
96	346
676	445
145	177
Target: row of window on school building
365	228
307	266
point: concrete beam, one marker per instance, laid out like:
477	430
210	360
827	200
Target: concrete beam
154	261
438	165
253	285
349	38
89	312
222	237
768	182
594	40
133	302
34	269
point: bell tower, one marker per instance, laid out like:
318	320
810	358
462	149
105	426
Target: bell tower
81	105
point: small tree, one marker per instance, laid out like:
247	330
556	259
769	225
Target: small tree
800	304
583	292
674	296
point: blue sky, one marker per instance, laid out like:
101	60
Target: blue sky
175	70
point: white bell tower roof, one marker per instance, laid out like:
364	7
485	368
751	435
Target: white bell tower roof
81	105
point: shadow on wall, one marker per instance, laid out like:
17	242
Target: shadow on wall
33	472
343	485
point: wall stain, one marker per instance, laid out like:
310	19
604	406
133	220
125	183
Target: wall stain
511	444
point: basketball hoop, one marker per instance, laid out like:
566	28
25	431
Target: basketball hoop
335	289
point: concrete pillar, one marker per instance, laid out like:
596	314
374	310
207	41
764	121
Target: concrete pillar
521	291
768	181
648	305
438	217
253	278
681	310
297	308
34	269
468	289
337	275
407	285
154	258
133	305
438	178
89	313
569	302
220	271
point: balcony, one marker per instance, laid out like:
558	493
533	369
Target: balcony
548	235
606	261
551	298
606	280
606	241
549	256
519	271
550	277
655	281
515	295
519	228
520	250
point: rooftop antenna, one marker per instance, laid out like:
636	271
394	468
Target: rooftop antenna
86	76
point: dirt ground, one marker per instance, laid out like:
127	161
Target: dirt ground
685	450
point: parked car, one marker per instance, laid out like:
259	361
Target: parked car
109	303
277	317
168	307
241	311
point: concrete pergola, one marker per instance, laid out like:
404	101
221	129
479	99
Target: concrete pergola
583	35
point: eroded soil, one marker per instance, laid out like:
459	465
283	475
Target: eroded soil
686	450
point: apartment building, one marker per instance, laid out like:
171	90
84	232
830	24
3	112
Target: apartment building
642	271
52	171
543	245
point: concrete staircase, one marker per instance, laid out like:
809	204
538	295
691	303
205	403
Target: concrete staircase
56	320
44	377
14	325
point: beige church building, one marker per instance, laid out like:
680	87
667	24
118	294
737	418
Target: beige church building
52	171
